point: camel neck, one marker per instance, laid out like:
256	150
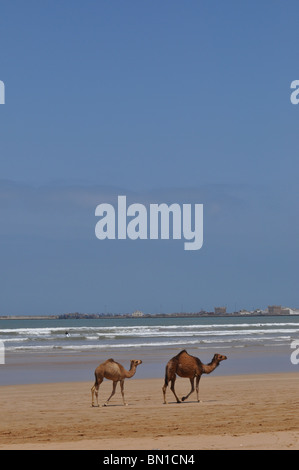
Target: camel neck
208	368
131	372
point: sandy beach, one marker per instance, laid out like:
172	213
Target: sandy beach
236	412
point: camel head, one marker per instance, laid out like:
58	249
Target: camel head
135	363
218	358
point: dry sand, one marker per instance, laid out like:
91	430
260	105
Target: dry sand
236	412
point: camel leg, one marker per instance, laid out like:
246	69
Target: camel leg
122	383
191	391
95	392
164	388
173	391
197	388
93	389
164	392
113	392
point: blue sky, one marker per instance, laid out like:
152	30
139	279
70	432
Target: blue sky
163	101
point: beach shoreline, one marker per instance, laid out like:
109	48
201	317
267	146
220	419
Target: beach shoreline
32	368
251	411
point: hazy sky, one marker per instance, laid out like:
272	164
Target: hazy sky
164	101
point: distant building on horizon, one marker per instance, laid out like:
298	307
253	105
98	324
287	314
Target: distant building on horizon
219	310
274	309
279	310
293	311
137	313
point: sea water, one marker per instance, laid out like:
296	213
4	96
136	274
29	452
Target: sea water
38	350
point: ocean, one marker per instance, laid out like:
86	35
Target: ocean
50	350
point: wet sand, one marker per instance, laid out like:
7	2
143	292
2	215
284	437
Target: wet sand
236	412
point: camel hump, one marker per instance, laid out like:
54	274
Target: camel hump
182	352
110	360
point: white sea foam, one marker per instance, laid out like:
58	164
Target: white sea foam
96	336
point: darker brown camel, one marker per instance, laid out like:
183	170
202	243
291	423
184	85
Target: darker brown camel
113	371
188	366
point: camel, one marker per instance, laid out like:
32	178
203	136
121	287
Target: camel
188	366
113	371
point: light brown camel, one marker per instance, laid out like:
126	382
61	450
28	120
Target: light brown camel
188	366
113	371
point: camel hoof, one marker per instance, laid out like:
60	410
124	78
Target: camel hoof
95	406
183	398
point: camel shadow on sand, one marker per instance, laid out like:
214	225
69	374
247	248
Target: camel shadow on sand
201	402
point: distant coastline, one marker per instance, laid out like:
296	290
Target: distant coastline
86	316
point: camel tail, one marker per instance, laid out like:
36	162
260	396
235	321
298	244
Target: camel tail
166	376
95	379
